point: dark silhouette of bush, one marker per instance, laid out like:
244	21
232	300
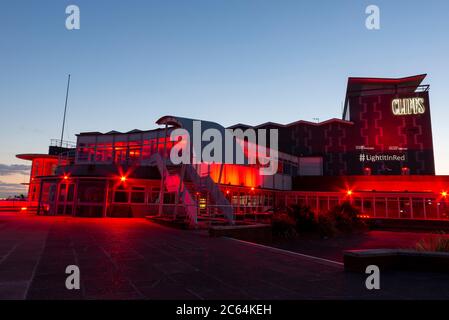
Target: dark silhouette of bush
283	225
438	243
326	226
304	218
291	221
346	218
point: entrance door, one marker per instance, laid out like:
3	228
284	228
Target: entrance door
65	198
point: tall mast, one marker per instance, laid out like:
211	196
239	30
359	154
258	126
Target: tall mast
65	110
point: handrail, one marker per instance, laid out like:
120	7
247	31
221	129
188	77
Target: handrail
214	190
187	197
62	143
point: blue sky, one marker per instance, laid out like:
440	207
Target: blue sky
228	61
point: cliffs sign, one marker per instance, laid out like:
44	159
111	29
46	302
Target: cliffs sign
408	106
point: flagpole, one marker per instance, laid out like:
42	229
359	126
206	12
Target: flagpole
65	110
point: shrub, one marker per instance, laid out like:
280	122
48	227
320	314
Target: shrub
435	244
343	218
326	226
346	218
304	218
283	225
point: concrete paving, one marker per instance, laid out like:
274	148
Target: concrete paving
137	259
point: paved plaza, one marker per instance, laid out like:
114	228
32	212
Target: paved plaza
137	259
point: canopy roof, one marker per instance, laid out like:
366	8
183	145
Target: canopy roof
356	84
32	156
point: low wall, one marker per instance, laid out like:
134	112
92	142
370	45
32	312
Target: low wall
393	259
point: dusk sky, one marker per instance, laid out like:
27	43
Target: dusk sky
229	61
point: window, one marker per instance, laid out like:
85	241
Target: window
311	202
147	150
134	151
405	208
154	195
91	191
418	208
443	207
62	192
36	166
333	202
380	207
104	152
368	207
393	208
120	149
357	203
290	201
324	204
85	152
121	195
138	195
70	192
431	208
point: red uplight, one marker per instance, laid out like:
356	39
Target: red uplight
252	188
349	192
66	177
122	178
444	194
227	191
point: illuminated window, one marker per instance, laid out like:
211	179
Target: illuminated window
138	195
104	153
134	151
120	150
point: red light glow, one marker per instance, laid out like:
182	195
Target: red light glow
24	209
122	178
349	192
66	177
444	194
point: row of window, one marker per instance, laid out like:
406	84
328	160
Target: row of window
133	152
381	207
136	195
122	152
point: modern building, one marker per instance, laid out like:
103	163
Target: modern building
379	155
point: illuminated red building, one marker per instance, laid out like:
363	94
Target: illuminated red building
379	156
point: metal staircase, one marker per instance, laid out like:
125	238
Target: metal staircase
205	185
189	187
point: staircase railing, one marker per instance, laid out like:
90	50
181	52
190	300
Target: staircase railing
173	183
214	191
